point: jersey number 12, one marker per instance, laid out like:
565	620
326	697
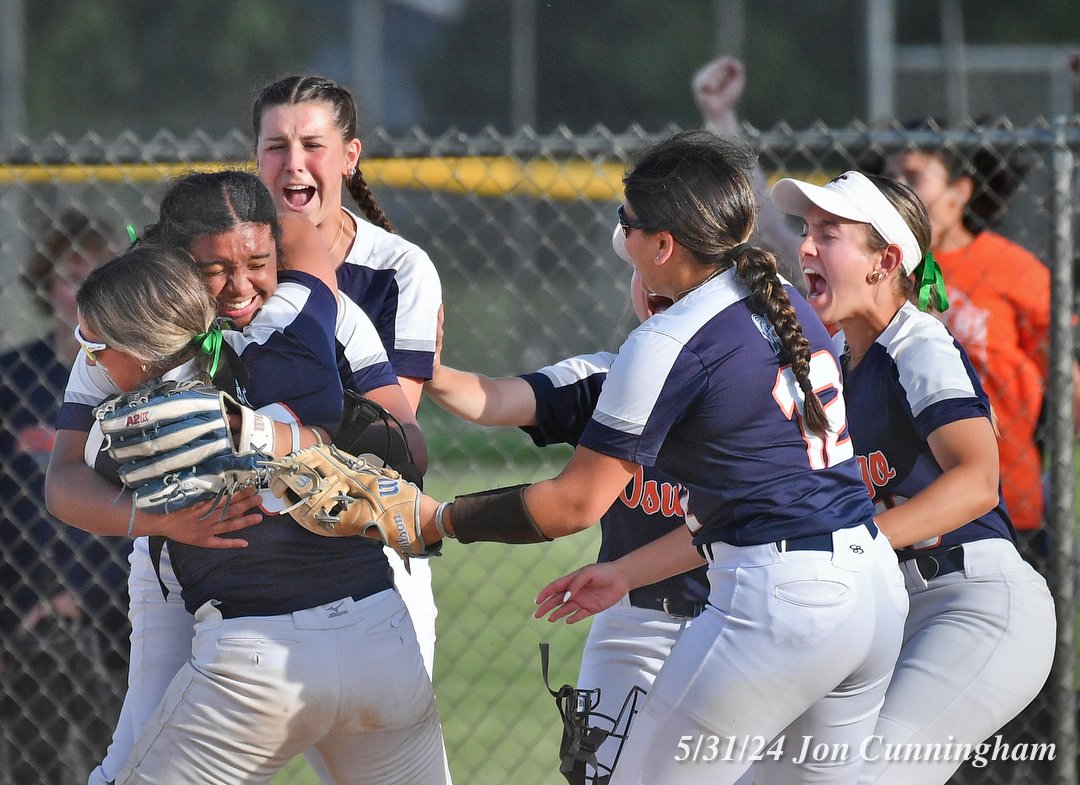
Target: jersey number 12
831	449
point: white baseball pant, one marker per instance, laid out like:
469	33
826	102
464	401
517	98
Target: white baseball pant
345	677
415	590
978	646
161	631
793	645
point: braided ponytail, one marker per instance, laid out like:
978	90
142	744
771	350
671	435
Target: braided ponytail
757	269
361	194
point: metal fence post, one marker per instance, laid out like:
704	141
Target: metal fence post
1062	476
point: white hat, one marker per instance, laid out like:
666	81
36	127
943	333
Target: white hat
852	196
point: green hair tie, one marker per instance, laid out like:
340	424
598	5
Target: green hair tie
132	236
209	343
931	284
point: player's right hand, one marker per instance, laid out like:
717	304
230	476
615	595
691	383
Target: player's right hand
204	524
717	87
582	593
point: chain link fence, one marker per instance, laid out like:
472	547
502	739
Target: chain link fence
520	230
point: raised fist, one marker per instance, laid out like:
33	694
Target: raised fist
717	89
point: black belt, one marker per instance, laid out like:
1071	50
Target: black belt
811	542
935	565
679	607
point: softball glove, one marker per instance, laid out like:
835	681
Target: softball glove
173	444
334	494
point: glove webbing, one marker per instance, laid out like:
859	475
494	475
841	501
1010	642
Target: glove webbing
580	741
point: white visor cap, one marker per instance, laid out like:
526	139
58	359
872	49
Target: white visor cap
852	196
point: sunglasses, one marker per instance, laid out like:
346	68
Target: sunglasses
629	223
90	347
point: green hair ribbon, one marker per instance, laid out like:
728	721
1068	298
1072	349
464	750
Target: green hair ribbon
209	343
132	236
931	284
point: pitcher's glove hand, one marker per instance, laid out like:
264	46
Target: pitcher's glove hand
173	445
334	494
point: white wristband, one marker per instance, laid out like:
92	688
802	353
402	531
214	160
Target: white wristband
440	524
294	429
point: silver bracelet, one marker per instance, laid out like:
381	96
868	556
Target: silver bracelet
440	525
318	436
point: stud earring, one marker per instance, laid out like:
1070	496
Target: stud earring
875	277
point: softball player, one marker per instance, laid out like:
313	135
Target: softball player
806	603
306	145
979	639
197	206
628	643
267	678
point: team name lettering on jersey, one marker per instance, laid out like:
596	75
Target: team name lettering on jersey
876	471
653	497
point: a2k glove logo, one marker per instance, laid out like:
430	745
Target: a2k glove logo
137	419
387	486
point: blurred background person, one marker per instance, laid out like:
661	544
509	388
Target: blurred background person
63	624
999	295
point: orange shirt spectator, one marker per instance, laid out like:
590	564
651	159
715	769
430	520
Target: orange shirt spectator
999	309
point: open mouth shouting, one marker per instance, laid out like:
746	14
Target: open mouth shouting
815	283
297	197
657	303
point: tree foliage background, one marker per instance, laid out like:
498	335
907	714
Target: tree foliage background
145	65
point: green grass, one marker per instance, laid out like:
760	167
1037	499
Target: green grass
499	722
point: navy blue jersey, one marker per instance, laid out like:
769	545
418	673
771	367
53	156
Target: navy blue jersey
289	351
362	360
914	379
699	391
649	507
397	286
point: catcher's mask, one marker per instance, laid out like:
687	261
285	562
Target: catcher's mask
581	739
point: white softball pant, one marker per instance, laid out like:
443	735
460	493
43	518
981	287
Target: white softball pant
793	645
978	646
625	648
346	678
161	631
415	590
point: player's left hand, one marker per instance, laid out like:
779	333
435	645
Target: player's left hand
582	593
